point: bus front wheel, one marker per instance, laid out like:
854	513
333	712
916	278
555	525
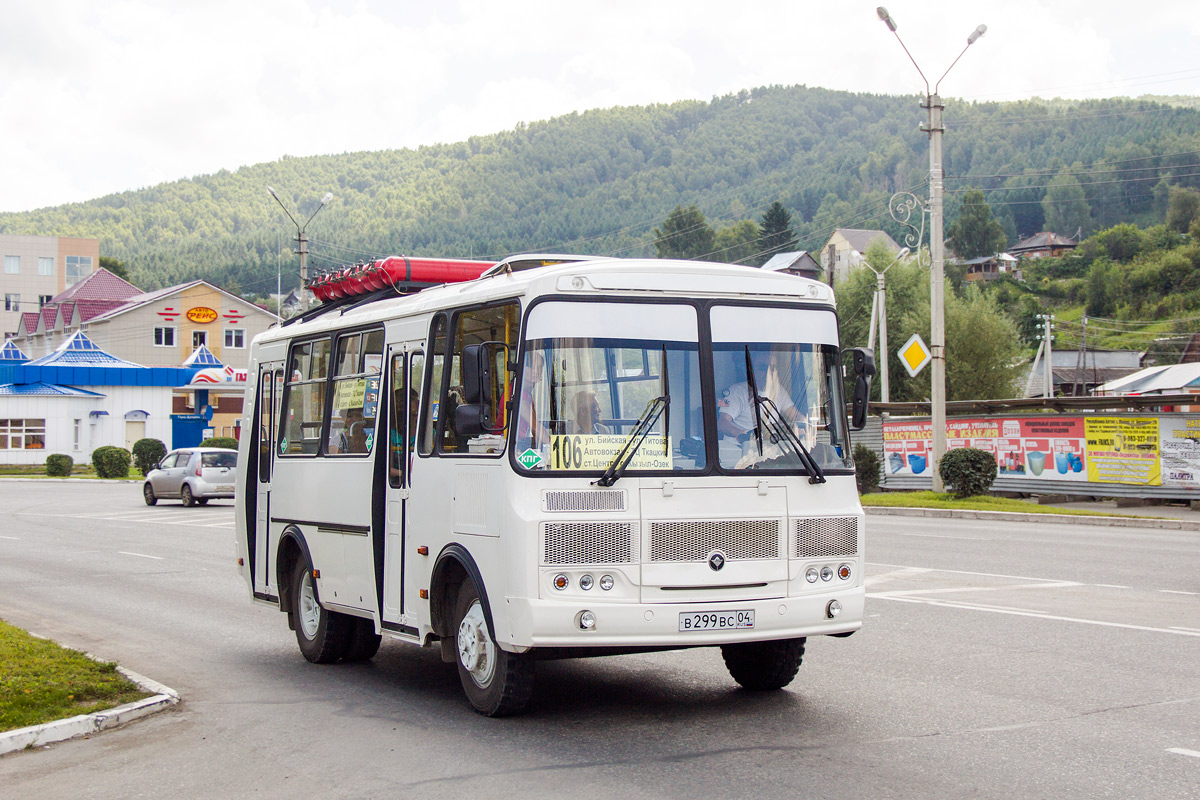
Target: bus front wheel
323	635
764	666
496	682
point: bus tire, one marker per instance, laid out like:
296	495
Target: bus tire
497	683
323	635
364	641
764	666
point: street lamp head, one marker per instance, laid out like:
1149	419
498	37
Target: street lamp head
887	18
974	37
329	195
903	253
272	191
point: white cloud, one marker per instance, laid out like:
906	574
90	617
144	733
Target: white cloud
109	95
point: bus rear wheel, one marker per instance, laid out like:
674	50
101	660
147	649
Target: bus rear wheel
364	641
497	683
764	666
323	635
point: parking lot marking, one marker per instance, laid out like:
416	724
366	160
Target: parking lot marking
1111	586
1179	751
946	536
140	555
1175	591
12	538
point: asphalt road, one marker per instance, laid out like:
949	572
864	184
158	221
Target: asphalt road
998	661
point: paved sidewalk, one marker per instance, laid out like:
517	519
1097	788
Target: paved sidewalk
1160	517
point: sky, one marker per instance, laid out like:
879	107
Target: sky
104	96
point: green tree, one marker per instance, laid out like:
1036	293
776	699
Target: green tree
116	267
737	243
976	233
684	234
1065	205
775	231
1183	206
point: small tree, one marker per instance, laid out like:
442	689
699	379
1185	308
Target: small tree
684	234
775	231
111	462
228	442
866	468
59	465
968	471
976	233
147	453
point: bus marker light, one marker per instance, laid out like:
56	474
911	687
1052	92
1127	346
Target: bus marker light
316	573
586	582
422	550
833	609
424	594
844	572
587	621
241	563
606	582
561	581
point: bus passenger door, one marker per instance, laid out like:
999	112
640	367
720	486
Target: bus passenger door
270	386
406	366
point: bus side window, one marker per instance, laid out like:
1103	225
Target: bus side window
476	326
356	392
433	384
304	401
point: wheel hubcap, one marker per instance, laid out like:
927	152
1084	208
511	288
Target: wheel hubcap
476	652
310	610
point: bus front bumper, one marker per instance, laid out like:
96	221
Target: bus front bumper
557	623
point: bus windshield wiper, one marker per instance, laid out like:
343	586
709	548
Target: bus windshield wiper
777	427
616	467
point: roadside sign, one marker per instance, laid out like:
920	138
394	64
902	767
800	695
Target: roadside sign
914	355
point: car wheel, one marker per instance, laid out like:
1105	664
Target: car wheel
764	666
185	494
323	635
148	494
497	683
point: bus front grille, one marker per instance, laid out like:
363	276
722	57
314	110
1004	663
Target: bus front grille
567	543
694	540
825	537
583	500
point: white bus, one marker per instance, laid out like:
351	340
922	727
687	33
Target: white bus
574	458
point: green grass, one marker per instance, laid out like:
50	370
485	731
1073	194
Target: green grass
41	681
979	503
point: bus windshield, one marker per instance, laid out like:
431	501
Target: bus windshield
787	360
593	371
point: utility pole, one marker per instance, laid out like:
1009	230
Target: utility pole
302	242
1048	365
879	313
937	337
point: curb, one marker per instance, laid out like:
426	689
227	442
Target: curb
1016	516
85	724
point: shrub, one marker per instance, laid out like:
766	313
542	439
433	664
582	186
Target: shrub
968	471
221	441
59	465
111	462
147	453
866	468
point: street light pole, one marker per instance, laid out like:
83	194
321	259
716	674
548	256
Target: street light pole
302	242
879	311
937	309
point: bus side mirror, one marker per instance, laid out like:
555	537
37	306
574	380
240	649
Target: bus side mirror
864	368
476	414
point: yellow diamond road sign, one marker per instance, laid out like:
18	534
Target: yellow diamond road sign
914	355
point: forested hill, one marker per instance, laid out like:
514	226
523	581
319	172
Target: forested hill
600	181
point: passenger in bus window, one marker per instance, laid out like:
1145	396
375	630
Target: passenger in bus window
352	436
587	414
529	431
735	411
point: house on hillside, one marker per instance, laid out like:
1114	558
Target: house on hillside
162	327
1043	245
1077	375
799	263
989	268
844	251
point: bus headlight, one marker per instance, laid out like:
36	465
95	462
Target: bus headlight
826	573
587	621
607	582
811	575
833	609
586	582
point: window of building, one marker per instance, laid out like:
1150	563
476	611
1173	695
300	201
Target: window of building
43	299
22	434
235	338
199	338
12	302
78	433
164	337
12	265
45	265
78	268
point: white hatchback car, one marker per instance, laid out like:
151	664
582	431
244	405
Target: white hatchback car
193	474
